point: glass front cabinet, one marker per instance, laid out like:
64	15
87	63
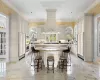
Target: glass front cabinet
4	35
2	43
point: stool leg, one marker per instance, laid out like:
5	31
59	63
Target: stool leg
31	59
59	64
47	66
41	64
69	59
37	66
62	65
66	64
53	66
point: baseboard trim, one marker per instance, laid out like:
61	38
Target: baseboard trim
21	57
80	56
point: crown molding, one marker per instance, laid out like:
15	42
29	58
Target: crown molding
12	7
93	5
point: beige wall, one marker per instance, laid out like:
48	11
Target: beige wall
32	24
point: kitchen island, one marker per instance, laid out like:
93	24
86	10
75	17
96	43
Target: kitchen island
51	49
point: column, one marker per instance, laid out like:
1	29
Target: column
13	36
88	37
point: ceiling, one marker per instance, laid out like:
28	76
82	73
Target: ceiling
35	10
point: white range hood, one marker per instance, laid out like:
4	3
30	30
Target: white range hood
50	25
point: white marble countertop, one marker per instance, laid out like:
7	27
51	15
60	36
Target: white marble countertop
51	48
51	44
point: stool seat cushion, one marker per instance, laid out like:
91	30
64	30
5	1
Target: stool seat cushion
66	51
50	58
38	57
62	57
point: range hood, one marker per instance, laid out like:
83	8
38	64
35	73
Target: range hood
50	25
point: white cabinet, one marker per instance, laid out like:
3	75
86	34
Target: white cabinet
22	45
80	37
2	43
4	38
98	26
85	38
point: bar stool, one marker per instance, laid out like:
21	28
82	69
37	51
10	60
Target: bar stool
68	56
33	53
62	63
64	59
50	59
38	62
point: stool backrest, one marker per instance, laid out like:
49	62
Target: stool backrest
66	51
69	48
33	49
36	52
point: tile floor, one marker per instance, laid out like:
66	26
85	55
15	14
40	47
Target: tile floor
22	70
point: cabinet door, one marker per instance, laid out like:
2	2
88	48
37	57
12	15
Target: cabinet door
22	44
2	44
80	44
98	24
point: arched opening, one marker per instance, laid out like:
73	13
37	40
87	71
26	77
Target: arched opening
69	33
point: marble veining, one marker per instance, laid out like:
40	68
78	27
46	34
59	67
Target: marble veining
22	70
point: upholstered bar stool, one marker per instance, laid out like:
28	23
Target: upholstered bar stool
63	63
68	56
63	60
34	53
50	59
38	62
